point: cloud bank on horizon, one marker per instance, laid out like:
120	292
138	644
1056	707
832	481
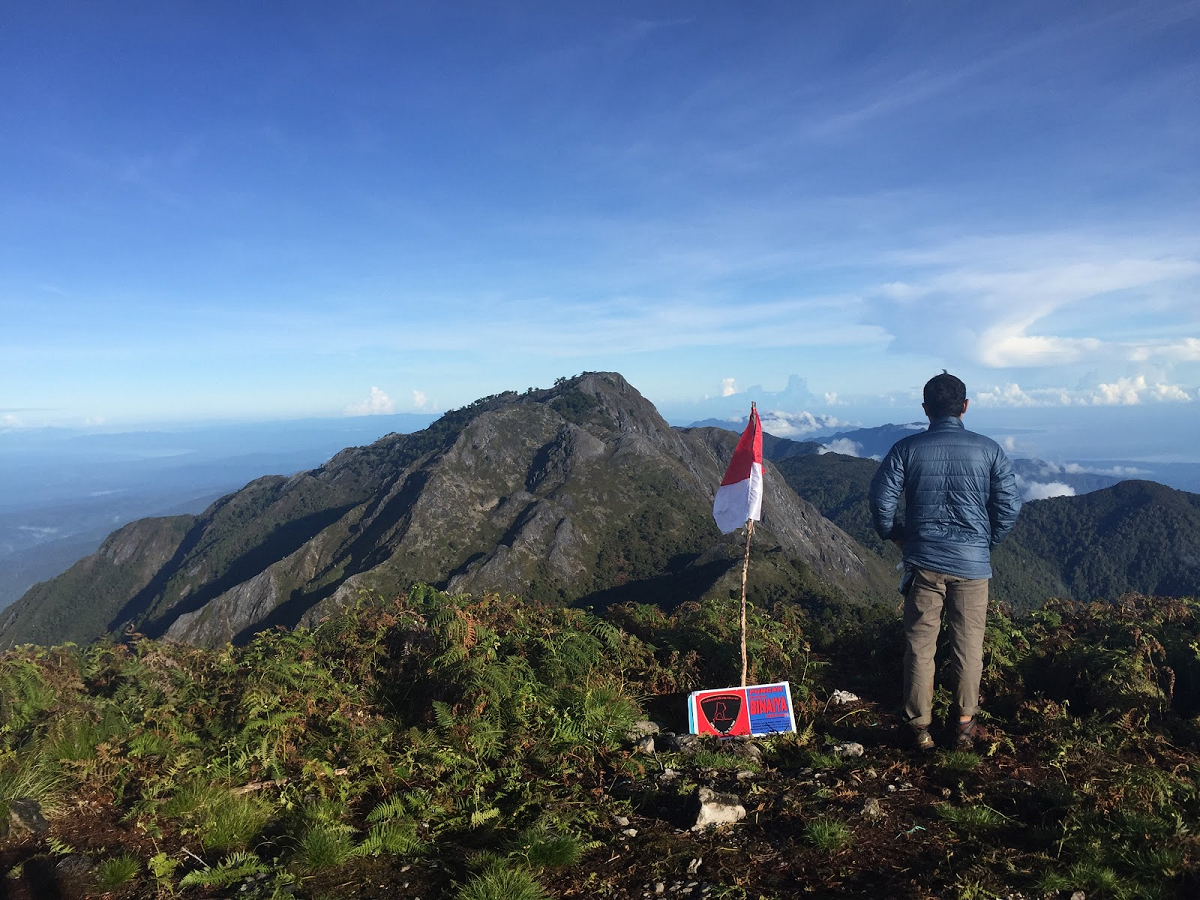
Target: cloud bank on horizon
263	212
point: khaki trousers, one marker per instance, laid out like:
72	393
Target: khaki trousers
965	601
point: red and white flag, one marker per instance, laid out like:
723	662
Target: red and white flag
739	498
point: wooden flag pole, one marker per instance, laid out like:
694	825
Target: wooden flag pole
745	569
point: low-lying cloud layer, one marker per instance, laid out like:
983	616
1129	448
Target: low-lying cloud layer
797	426
1122	392
1037	490
844	446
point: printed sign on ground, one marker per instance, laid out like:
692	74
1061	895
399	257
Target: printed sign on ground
757	709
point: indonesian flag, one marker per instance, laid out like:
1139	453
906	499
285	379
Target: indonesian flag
739	498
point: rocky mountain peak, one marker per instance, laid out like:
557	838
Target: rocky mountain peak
576	493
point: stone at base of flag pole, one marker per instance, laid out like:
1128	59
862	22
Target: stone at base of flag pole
755	710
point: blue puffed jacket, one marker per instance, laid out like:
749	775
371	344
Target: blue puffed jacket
960	498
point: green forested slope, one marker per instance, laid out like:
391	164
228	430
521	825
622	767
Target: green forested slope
1135	536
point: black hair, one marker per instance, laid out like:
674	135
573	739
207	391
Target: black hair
944	395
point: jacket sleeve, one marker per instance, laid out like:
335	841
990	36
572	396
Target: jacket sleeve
884	496
1003	500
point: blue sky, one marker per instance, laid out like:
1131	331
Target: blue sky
220	210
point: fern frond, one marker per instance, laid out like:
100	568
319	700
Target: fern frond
230	870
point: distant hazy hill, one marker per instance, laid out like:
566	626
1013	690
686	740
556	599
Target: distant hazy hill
578	493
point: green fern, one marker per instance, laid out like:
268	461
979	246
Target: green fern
24	695
233	868
392	837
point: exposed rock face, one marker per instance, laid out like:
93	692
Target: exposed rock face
562	494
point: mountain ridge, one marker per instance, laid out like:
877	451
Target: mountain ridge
560	494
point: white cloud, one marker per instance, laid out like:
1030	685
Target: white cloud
797	425
831	398
1122	392
728	387
419	399
1037	490
1130	391
1044	299
898	290
1013	394
844	446
8	420
39	531
1118	471
378	404
1007	345
1049	469
1187	350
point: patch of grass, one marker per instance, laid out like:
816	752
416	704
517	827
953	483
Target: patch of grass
1152	864
711	759
33	776
542	849
234	823
828	834
1095	877
223	820
973	889
77	737
958	762
1050	882
502	884
972	816
818	760
324	845
117	871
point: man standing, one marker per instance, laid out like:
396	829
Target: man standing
960	499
